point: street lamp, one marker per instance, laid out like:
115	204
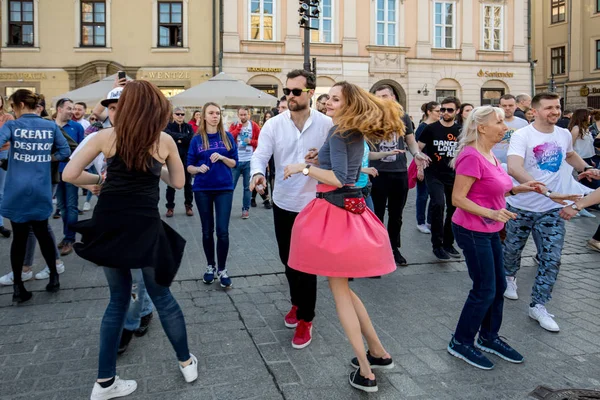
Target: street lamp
309	9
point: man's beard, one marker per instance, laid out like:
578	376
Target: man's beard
448	119
293	106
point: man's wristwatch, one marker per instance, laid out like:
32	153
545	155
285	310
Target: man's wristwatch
548	193
306	170
587	167
574	207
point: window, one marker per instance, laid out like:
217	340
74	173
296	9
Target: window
170	24
443	25
386	22
93	23
598	6
20	23
558	10
557	56
441	94
597	54
324	24
262	16
491	96
493	23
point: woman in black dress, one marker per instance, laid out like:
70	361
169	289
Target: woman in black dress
126	230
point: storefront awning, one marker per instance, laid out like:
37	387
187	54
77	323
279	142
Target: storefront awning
90	94
225	91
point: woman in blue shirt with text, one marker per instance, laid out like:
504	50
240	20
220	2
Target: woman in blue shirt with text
212	155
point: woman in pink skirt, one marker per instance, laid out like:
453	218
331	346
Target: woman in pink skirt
336	235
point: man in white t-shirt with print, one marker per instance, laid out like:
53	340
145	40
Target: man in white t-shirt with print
508	103
540	152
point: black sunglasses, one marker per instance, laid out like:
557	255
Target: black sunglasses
180	114
62	101
295	92
449	110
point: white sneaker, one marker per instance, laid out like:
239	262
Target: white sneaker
119	388
45	273
541	315
423	228
54	200
8	279
190	373
87	206
511	288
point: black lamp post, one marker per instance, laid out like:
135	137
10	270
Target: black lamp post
309	9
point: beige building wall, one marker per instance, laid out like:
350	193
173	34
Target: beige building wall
579	85
413	65
57	62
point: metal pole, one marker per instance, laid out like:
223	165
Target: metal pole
307	42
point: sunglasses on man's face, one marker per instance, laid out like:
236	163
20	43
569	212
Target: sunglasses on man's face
180	114
448	110
295	92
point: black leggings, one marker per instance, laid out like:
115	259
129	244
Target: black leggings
19	243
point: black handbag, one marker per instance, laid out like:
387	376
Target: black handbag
349	198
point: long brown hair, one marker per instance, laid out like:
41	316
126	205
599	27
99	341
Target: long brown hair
220	128
375	118
580	119
143	113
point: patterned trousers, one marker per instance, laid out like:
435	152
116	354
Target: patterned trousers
548	231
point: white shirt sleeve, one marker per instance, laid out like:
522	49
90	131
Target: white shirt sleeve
518	143
98	161
263	152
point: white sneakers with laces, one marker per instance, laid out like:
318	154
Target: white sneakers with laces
511	288
9	279
119	388
45	273
424	229
545	319
190	373
87	206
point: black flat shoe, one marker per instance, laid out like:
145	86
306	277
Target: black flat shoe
53	285
361	383
20	294
144	325
126	337
5	232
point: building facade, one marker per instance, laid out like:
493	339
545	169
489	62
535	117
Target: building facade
59	45
566	45
426	49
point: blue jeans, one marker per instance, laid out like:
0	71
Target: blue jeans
171	317
369	201
220	202
68	203
483	309
3	156
548	230
140	304
422	196
89	195
243	168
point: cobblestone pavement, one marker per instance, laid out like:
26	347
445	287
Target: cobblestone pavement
49	347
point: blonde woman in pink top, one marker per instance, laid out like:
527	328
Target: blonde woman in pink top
479	193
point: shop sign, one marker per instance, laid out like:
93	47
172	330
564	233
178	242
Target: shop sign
268	89
165	75
26	76
494	74
585	91
261	69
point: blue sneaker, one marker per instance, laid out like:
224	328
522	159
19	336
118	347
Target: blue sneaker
499	348
469	354
209	275
224	279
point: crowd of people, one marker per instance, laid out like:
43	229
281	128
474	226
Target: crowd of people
492	176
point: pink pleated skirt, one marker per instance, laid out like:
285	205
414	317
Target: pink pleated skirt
330	241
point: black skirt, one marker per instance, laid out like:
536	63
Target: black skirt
127	232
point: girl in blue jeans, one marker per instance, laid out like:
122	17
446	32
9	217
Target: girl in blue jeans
212	155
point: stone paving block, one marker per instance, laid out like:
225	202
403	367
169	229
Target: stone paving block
284	372
9	373
272	352
405	385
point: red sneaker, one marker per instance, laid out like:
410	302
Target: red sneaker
303	335
291	320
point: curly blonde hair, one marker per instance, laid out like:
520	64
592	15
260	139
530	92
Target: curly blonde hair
375	118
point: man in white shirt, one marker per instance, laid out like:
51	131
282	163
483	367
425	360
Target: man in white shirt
508	103
289	138
79	114
540	152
